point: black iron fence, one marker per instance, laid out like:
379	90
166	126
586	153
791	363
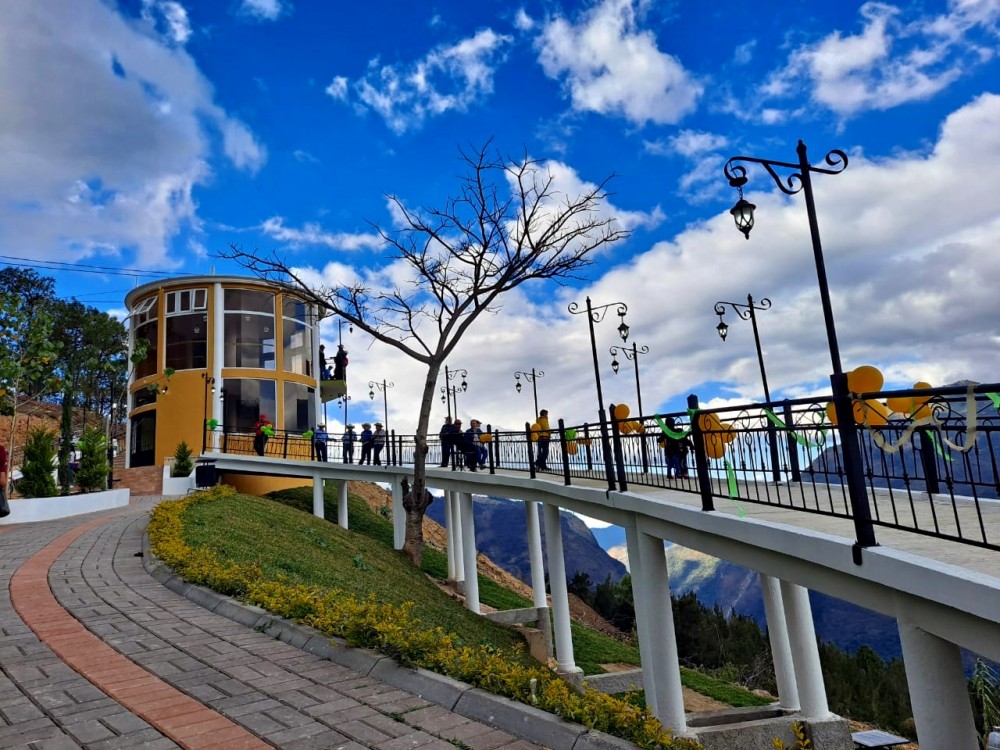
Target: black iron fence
929	457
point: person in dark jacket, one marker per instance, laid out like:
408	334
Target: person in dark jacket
378	443
470	443
348	441
366	444
446	433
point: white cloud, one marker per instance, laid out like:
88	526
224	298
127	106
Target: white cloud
522	21
262	10
612	67
118	176
313	234
169	16
892	60
306	157
448	78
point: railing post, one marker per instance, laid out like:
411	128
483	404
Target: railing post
489	449
531	450
565	455
225	439
643	450
586	445
793	444
927	461
700	457
495	447
616	443
284	448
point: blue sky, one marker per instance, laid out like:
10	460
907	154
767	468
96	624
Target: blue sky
149	134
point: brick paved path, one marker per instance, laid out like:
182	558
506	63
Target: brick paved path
166	673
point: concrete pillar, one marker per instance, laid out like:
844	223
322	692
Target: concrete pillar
456	513
535	553
218	356
652	569
938	694
398	514
560	594
641	599
342	503
469	553
318	497
781	651
805	652
449	527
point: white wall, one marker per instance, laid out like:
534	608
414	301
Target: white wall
30	509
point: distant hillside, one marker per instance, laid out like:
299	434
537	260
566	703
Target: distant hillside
501	534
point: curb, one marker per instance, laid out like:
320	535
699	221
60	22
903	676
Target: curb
526	722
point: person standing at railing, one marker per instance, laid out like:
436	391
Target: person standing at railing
320	438
378	443
262	431
470	445
446	433
366	443
348	443
481	452
544	436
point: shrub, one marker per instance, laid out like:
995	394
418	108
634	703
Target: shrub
93	473
182	461
393	630
36	469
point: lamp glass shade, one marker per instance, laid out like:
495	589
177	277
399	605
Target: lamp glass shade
723	330
518	386
743	216
623	330
614	365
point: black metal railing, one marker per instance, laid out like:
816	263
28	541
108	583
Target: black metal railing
932	469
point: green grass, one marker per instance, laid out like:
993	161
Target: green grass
362	561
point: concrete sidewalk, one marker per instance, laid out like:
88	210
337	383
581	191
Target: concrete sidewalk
96	653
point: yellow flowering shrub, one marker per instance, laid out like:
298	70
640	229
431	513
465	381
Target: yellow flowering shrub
393	630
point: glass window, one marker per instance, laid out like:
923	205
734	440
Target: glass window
151	333
143	397
295	308
186	300
249	341
244	400
300	407
297	347
187	347
246	300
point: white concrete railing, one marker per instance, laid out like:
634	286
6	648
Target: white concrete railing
31	509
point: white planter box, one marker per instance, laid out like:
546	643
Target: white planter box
174	486
29	509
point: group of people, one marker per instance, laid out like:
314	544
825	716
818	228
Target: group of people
339	370
372	443
462	448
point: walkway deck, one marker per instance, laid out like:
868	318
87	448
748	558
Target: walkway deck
96	654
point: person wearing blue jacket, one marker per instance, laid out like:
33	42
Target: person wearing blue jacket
366	444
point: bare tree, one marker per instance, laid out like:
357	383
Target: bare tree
508	224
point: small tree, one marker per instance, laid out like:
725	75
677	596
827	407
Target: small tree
182	461
93	474
507	224
39	461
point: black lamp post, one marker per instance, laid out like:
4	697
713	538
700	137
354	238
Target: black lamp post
450	392
596	315
383	387
800	179
343	402
748	312
209	381
532	377
633	356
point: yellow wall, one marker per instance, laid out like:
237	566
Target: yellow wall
180	414
258	485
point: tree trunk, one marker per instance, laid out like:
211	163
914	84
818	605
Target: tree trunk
419	499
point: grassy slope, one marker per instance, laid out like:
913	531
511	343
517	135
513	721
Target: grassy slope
362	562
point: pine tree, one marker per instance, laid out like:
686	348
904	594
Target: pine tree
93	474
36	469
182	461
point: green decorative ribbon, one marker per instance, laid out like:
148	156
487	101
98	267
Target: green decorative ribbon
994	398
937	447
672	433
796	436
731	478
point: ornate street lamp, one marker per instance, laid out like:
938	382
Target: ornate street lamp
596	315
383	388
450	393
531	377
800	180
209	382
633	356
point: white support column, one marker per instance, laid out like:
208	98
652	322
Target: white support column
218	359
805	652
641	599
938	694
449	527
398	514
660	617
781	651
535	553
342	504
318	496
456	514
469	553
560	594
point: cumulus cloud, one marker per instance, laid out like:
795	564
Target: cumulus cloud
609	65
114	129
312	234
262	10
449	78
169	17
894	58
